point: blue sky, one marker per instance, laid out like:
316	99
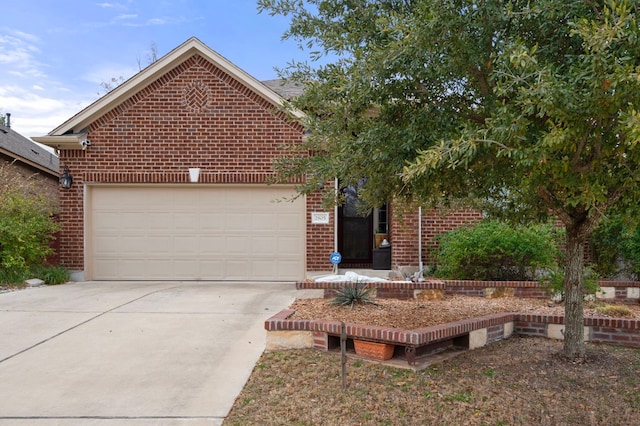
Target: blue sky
55	54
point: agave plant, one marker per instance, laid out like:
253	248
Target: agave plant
351	294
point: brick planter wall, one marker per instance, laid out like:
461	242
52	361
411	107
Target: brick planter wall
616	291
470	333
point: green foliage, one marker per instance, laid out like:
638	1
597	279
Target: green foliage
51	275
14	276
351	294
26	226
490	372
528	108
493	250
615	246
554	282
462	396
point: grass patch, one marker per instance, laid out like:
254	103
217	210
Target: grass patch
532	386
51	275
617	311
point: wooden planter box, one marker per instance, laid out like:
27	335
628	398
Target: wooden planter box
381	351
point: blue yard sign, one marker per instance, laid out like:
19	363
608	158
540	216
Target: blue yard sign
335	258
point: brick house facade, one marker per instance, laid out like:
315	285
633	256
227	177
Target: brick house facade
194	109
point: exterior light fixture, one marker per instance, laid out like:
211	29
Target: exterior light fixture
194	174
66	180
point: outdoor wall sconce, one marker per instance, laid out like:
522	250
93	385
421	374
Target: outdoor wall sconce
66	180
194	174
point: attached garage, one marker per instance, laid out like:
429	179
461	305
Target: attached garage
133	212
189	232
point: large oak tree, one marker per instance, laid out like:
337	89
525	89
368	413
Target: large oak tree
529	107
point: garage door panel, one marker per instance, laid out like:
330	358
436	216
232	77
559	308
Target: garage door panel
264	245
212	221
184	268
106	268
186	245
289	223
196	233
264	222
106	245
213	268
238	221
212	245
141	244
288	245
238	244
185	220
130	220
157	220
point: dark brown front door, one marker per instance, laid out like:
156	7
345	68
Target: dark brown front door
355	232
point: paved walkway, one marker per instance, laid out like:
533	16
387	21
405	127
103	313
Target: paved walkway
139	353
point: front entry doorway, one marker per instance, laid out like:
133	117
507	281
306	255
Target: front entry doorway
355	232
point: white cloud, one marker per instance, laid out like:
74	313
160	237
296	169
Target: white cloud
26	36
126	17
18	54
34	114
157	21
108	5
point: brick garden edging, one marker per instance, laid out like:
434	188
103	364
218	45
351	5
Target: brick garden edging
284	333
618	291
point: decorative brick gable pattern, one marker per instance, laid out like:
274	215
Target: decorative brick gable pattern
195	115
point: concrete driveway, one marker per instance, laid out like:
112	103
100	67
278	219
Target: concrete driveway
140	353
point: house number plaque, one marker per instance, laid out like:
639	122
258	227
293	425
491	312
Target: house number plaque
320	218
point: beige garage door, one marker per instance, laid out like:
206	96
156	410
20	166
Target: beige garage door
195	233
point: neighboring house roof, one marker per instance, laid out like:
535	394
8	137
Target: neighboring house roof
72	133
14	145
286	89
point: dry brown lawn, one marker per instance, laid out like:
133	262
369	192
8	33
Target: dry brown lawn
519	381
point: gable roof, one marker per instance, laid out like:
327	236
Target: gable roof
14	145
285	88
71	133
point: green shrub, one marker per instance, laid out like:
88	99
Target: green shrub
13	276
352	294
615	248
554	281
51	275
492	250
26	226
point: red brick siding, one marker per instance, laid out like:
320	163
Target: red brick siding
320	237
193	116
404	230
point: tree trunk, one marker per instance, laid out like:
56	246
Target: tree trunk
574	347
